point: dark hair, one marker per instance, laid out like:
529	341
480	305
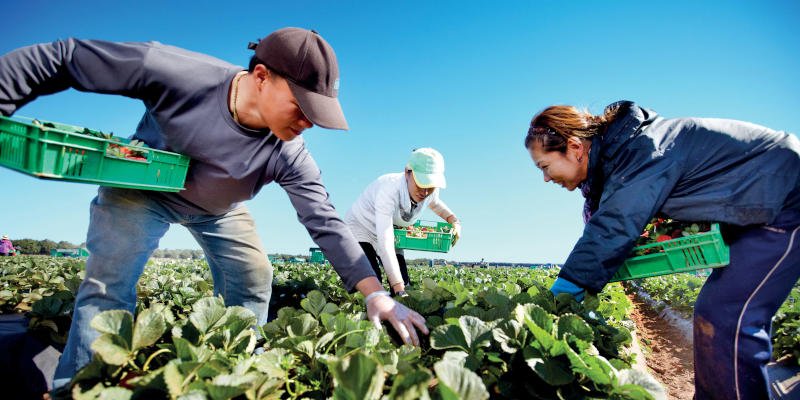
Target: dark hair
254	60
553	126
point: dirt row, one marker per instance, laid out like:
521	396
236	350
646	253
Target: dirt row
667	352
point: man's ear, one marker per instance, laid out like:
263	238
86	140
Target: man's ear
261	73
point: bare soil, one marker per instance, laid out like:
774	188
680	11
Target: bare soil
668	355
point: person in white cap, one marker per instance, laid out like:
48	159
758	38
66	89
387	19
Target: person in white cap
399	199
242	130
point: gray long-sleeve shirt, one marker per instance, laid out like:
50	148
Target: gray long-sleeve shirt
186	99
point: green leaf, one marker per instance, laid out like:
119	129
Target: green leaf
429	284
173	379
112	349
411	385
302	325
356	340
306	347
115	393
227	386
275	363
150	325
48	306
638	385
448	337
239	319
314	303
206	313
507	333
591	302
115	322
542	339
457	382
552	371
575	325
498	300
357	377
195	394
477	333
590	366
533	314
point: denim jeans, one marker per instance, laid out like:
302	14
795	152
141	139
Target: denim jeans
124	229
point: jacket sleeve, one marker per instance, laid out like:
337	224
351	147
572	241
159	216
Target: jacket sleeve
300	177
635	190
90	66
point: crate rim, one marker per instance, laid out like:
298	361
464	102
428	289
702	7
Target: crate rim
29	122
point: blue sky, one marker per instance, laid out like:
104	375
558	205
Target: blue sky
462	77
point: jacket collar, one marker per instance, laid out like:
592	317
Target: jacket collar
629	122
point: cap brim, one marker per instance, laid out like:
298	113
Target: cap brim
321	110
427	181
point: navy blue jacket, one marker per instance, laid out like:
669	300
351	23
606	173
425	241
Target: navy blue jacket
689	169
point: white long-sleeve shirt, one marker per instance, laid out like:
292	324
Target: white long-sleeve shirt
384	203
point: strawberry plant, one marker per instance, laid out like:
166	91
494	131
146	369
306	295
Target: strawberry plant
495	333
661	229
117	147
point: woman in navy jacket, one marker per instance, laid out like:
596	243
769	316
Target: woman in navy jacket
631	164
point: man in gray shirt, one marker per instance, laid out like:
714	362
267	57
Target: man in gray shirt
241	130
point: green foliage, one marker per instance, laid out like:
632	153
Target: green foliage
495	333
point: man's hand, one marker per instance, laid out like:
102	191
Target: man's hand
380	306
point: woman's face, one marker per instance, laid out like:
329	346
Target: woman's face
567	169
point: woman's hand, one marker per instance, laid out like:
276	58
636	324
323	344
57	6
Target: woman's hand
456	231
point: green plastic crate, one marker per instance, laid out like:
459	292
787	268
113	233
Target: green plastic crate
64	153
436	241
699	251
317	256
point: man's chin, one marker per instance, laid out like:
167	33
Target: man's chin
286	136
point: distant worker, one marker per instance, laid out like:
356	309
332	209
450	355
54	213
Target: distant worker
630	163
6	247
398	199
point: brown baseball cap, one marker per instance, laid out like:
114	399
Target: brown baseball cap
309	64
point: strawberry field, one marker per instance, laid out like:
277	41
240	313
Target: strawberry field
495	333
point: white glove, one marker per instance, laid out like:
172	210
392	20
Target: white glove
381	306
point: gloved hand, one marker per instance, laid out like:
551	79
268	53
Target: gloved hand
562	285
380	306
456	232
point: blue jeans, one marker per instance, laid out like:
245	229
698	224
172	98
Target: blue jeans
734	309
124	229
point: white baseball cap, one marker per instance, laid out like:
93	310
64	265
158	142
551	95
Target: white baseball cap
427	168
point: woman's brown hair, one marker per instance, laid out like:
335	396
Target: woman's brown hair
553	126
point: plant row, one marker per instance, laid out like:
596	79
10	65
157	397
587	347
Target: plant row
495	333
